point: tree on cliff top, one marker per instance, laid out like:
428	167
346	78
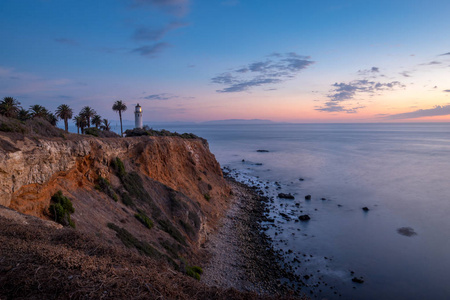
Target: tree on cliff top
64	112
9	107
106	125
87	112
80	122
119	106
97	121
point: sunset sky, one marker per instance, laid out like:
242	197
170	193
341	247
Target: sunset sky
200	60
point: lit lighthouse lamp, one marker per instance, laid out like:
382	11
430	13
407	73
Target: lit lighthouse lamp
138	117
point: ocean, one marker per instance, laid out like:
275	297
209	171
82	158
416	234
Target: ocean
400	247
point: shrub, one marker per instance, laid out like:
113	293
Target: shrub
146	131
118	166
192	271
144	219
207	197
60	209
92	131
126	199
130	241
187	228
172	231
104	186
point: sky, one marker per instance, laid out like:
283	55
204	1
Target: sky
299	61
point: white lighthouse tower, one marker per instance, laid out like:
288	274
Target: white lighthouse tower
138	117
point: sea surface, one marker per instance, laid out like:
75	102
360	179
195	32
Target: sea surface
400	247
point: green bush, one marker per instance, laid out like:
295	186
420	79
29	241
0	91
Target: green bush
207	197
119	167
144	219
131	241
126	199
60	209
192	271
105	186
187	228
172	231
151	132
92	131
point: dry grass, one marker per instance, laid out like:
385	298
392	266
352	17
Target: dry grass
37	262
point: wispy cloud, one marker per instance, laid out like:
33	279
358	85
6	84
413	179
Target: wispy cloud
152	34
175	7
447	91
151	51
438	110
431	63
448	53
405	74
275	69
163	96
342	92
371	71
66	41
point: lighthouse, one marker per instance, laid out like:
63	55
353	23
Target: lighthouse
138	117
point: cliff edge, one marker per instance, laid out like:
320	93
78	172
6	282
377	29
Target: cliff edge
174	183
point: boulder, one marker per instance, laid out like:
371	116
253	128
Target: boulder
285	196
304	218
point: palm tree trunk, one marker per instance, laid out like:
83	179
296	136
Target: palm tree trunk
121	130
78	129
66	124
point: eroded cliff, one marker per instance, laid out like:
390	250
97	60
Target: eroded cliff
176	182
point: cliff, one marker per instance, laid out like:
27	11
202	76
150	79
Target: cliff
175	182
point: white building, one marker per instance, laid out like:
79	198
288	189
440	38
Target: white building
138	117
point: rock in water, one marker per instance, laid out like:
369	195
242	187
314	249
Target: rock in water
308	197
285	196
262	150
358	280
304	218
365	208
406	231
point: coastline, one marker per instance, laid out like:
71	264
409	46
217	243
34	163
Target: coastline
242	256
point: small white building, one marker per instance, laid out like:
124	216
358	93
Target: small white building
138	117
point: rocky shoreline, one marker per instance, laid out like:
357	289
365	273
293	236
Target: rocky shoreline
242	254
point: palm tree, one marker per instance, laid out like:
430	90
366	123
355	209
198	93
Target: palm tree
119	106
87	112
38	111
97	121
64	112
9	107
106	125
51	118
80	123
23	114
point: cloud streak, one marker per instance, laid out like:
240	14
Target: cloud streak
276	69
438	110
66	41
163	96
151	51
343	92
151	34
175	7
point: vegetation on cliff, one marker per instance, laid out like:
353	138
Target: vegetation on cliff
60	209
147	131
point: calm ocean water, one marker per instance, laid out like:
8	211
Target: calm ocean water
401	172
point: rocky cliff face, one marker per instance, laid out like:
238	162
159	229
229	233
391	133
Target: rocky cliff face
175	181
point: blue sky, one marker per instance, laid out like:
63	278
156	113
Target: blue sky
188	60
